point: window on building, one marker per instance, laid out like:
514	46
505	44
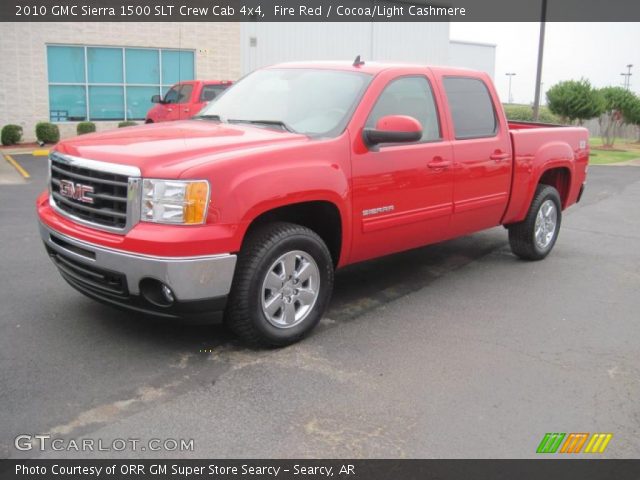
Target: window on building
111	83
471	107
410	96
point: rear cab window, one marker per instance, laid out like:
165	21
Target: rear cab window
211	92
471	106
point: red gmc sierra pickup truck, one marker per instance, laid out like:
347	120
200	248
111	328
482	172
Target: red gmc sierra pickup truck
299	169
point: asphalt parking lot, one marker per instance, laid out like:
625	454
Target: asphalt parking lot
453	350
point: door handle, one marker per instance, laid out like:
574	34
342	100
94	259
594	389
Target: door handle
169	109
438	163
185	110
499	156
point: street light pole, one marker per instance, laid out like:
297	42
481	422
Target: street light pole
536	97
510	75
627	77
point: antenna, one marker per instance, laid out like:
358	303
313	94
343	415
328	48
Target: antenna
357	62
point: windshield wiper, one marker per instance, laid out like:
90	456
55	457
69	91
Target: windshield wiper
275	123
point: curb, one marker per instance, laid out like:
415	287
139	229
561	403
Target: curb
634	162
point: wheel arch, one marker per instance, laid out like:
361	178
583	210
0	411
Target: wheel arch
558	177
322	216
554	165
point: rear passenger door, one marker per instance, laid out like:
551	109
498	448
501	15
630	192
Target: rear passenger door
481	155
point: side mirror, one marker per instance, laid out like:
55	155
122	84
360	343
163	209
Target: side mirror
393	129
156	99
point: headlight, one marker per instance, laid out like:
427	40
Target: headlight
174	201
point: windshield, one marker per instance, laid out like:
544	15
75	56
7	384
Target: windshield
312	102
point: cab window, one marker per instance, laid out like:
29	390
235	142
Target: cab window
211	92
179	94
471	107
411	96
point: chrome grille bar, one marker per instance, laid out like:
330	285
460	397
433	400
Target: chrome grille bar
100	211
67	173
113	190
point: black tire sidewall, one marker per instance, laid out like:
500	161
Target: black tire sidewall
319	253
550	194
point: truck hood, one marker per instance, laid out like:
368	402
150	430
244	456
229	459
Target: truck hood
166	150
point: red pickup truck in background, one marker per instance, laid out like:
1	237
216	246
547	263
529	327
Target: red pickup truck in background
185	99
299	169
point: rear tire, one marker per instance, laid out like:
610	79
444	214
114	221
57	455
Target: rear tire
535	236
282	285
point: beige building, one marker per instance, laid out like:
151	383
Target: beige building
41	68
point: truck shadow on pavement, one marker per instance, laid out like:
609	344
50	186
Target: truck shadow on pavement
358	289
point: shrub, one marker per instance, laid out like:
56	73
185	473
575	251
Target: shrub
545	116
127	124
85	127
524	113
11	134
47	132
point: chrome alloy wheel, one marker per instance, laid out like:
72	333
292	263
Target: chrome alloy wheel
290	289
546	223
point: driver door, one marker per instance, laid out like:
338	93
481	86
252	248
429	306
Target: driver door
402	193
174	100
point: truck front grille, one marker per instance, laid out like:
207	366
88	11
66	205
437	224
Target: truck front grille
91	195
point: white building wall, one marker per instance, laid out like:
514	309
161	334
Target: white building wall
264	44
477	56
420	42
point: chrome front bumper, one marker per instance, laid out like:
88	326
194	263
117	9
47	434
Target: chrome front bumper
190	278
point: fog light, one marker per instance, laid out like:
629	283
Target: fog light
167	293
157	293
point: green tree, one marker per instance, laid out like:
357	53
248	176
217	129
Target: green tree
619	109
631	113
575	100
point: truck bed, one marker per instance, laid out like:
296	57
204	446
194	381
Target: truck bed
540	147
521	125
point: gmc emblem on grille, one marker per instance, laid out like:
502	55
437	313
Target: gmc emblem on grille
77	191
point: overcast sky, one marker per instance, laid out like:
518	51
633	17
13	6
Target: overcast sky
597	51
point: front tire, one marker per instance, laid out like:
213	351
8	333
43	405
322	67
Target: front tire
282	285
535	236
